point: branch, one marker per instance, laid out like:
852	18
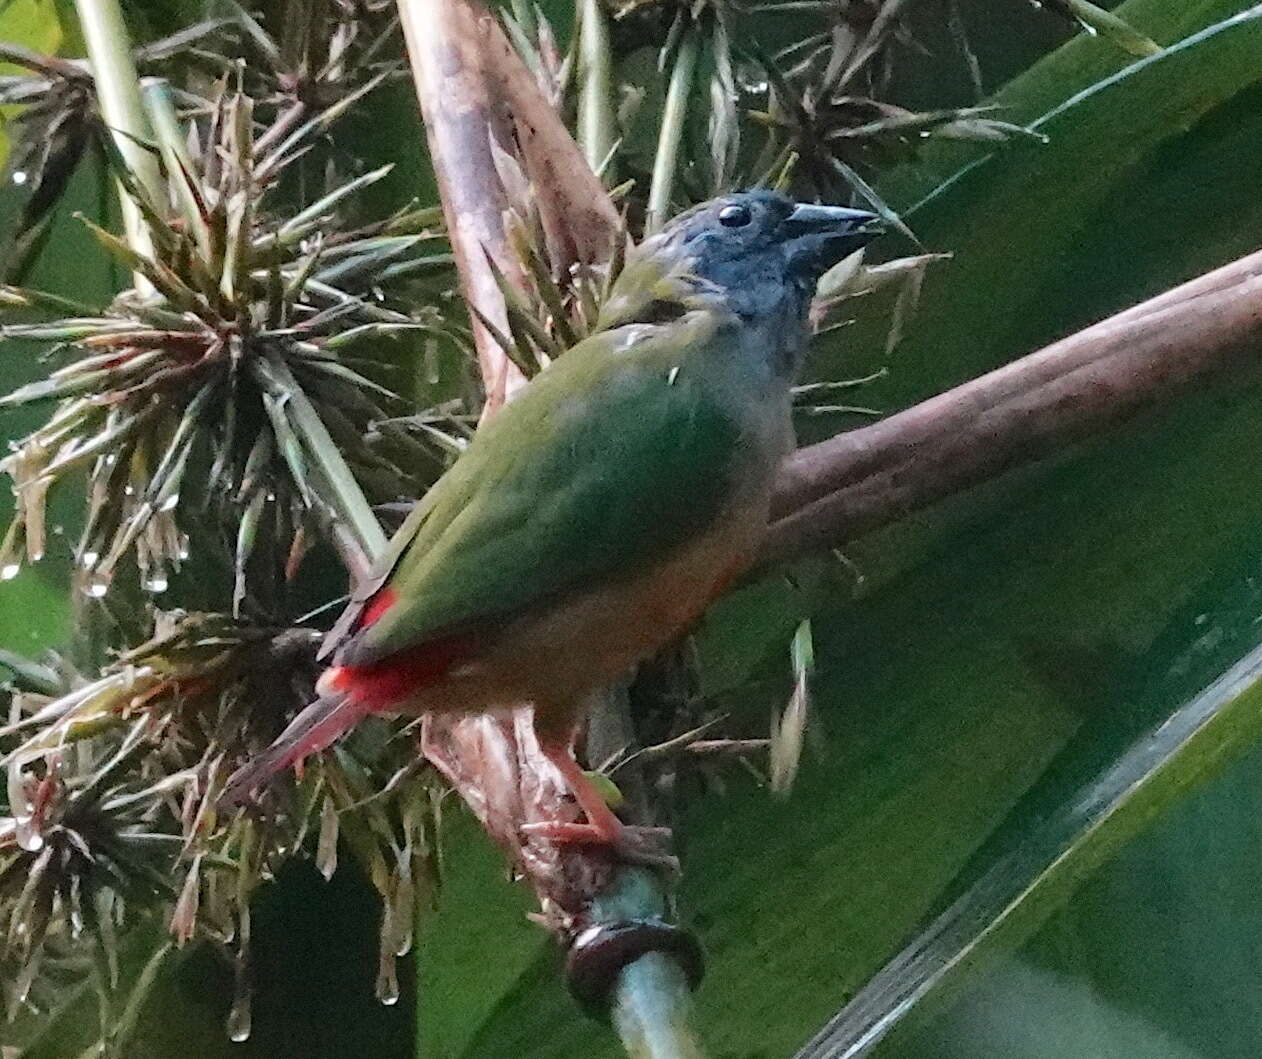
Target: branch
856	482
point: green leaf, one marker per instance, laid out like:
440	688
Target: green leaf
1014	896
1011	218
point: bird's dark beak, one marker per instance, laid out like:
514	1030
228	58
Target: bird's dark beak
820	236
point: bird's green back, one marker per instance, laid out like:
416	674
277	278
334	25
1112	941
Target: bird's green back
617	454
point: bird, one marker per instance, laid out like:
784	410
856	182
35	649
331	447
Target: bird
593	519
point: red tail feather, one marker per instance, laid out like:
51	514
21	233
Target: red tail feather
382	685
376	607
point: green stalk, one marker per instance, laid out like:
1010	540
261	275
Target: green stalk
118	94
596	129
651	1002
348	499
174	148
650	1010
674	115
524	16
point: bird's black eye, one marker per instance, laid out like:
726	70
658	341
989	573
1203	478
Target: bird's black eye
734	215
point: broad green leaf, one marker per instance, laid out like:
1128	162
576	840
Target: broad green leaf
1165	936
1077	65
1014	221
1011	899
1020	225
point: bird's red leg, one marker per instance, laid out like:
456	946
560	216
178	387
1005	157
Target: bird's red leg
603	828
602	825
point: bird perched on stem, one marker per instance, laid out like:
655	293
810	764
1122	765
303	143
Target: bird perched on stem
595	517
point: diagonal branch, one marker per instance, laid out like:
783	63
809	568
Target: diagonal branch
851	484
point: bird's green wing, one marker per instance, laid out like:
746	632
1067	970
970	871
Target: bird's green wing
610	459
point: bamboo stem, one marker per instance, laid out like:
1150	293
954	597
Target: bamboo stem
651	1010
596	130
674	117
118	94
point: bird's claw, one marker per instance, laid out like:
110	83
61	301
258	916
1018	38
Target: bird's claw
643	846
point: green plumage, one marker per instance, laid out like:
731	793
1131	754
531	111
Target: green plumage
593	518
617	454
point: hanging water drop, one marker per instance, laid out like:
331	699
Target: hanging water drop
97	589
387	980
9	571
238	1021
751	78
28	838
156	584
170	503
238	1024
326	847
19	177
88	559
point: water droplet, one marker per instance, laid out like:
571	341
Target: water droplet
238	1021
29	839
19	177
271	497
9	571
88	559
156	584
170	503
97	589
387	981
128	490
751	78
238	1024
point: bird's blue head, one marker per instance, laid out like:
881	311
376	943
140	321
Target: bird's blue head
760	247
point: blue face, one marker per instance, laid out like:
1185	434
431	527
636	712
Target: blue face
763	237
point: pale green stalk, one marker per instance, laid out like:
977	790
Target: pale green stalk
174	148
652	1003
118	95
596	129
524	15
651	1010
674	116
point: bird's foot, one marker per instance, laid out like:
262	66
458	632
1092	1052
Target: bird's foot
645	846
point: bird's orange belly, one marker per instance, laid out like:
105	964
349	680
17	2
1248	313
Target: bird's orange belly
555	657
